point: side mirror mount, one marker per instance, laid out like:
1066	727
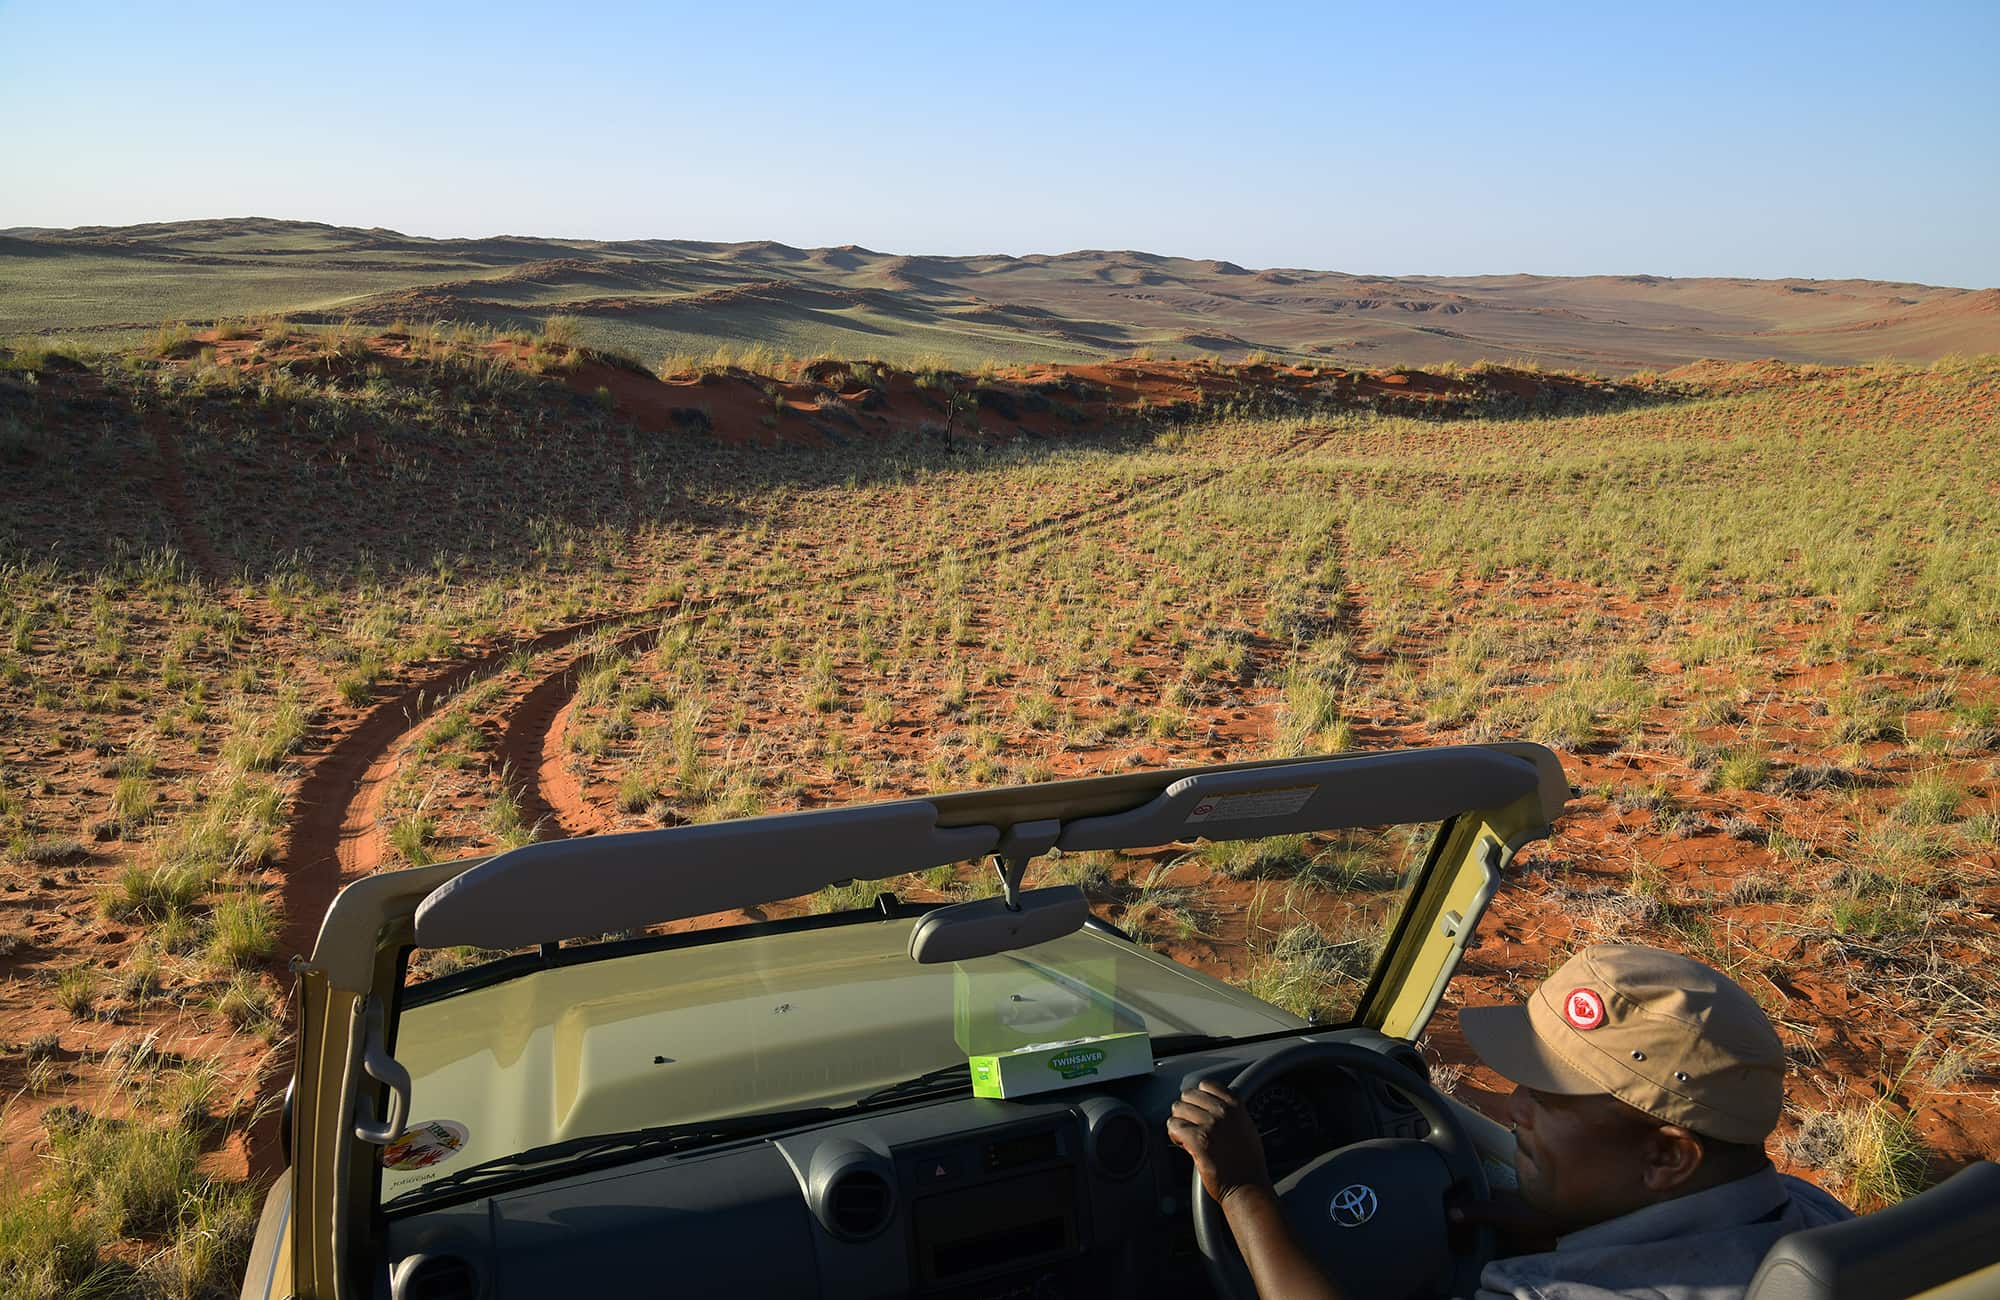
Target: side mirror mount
988	926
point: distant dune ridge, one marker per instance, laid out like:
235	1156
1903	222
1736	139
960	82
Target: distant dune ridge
648	297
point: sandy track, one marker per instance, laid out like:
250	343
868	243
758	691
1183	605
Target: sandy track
336	833
524	751
361	838
535	744
171	490
557	786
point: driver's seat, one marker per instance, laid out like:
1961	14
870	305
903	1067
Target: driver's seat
1947	1233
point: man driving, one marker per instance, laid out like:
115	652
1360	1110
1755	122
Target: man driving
1646	1085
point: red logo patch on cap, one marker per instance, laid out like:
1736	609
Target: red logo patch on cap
1584	1009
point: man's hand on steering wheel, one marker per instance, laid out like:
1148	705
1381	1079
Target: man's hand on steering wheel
1365	1217
1215	1130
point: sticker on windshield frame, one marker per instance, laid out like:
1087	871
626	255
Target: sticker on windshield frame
1279	801
425	1145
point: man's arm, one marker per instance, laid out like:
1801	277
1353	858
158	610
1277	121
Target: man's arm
1214	1129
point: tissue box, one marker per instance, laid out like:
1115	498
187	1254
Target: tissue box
1044	1067
998	1007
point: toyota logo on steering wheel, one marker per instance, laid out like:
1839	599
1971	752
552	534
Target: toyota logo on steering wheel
1353	1205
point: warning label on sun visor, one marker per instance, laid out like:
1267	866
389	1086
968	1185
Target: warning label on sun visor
1251	804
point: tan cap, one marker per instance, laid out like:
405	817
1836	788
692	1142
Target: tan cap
1660	1032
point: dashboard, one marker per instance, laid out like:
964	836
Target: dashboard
1066	1194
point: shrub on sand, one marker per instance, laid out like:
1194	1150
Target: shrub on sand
1872	1152
242	929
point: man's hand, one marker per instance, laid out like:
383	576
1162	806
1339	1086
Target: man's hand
1214	1129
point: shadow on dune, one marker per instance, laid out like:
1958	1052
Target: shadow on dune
367	466
370	480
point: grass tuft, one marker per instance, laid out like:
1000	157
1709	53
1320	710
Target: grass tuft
76	991
1930	800
853	895
1314	975
1873	1152
411	837
153	893
242	929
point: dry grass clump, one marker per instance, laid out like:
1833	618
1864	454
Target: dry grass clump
48	1251
263	739
1871	1152
849	896
110	1180
245	1003
233	830
1158	912
1313	974
1270	855
242	929
76	991
1930	799
502	818
1746	767
1090	872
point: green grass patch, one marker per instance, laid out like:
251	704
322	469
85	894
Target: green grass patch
412	836
1930	799
242	929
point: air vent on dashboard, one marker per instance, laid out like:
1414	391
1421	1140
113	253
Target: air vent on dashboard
1117	1137
435	1277
1407	1056
1120	1146
851	1188
858	1203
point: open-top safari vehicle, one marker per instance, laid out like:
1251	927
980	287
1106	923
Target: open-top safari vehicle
953	1100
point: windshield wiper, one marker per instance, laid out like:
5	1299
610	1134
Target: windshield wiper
1177	1044
597	1150
945	1076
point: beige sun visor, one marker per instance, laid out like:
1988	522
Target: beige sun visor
568	889
1323	795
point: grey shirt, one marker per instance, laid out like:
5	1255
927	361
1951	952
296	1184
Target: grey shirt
1706	1246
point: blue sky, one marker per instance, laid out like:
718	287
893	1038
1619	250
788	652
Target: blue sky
1783	139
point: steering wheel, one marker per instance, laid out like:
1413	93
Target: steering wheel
1371	1213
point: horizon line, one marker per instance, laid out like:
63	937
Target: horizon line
28	232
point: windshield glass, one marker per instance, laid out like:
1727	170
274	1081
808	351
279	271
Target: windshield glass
1233	940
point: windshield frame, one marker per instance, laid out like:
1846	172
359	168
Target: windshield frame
887	906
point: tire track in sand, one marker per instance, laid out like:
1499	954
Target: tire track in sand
170	489
334	835
533	745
